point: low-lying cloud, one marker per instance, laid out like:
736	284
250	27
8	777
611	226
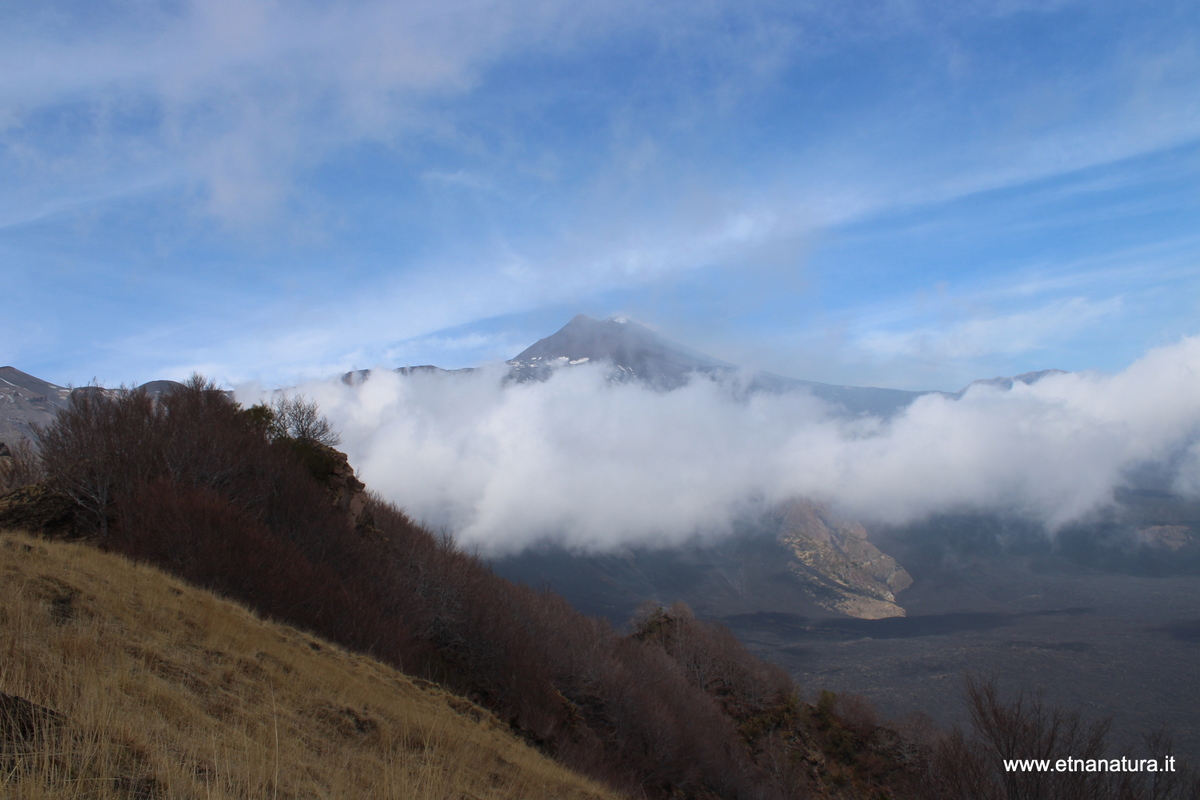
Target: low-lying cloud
595	464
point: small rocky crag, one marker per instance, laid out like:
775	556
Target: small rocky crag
331	468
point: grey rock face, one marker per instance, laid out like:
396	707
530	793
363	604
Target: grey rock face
26	401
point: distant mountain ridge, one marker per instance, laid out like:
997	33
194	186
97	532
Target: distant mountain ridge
1027	378
26	401
633	351
639	353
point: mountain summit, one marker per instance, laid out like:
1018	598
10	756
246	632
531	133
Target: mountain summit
637	353
633	349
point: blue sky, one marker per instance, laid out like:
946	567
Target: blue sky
909	194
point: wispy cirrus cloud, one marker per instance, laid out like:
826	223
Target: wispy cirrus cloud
435	166
972	334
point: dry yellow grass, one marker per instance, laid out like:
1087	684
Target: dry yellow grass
163	690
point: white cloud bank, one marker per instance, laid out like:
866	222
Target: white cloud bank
597	465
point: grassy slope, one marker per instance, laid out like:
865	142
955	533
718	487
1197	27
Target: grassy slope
164	690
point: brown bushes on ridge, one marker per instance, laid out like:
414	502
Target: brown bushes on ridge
230	500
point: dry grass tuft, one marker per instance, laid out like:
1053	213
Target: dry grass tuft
118	681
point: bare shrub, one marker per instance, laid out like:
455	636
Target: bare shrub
715	661
301	419
858	714
1024	728
971	766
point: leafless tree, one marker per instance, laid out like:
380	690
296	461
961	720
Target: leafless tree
100	445
300	418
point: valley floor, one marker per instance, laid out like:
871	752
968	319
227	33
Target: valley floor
1112	645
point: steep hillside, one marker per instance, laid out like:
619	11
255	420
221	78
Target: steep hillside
118	681
243	503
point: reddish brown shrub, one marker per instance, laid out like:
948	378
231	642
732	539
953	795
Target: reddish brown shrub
715	661
857	714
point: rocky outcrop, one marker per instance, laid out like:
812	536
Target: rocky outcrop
1169	537
38	509
846	572
347	493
